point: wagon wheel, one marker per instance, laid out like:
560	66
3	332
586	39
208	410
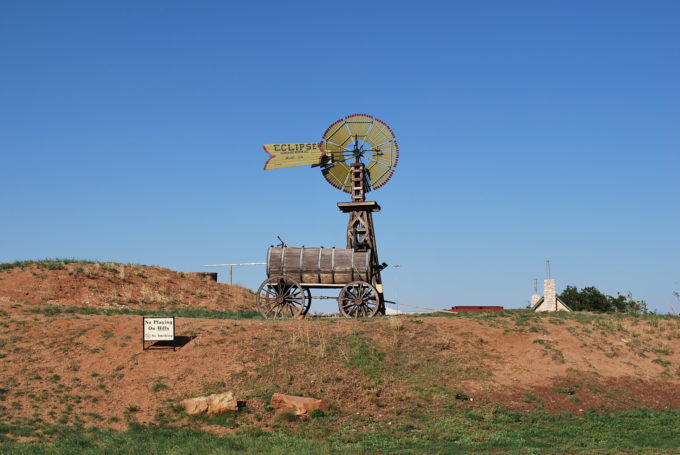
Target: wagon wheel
281	297
309	301
358	299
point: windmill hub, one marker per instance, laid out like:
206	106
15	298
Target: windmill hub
357	154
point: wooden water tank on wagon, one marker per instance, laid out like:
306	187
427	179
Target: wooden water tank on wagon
319	265
293	271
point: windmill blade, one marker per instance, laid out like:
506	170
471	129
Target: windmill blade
337	174
378	174
359	125
335	152
387	154
338	134
380	133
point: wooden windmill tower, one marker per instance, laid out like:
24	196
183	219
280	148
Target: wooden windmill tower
357	154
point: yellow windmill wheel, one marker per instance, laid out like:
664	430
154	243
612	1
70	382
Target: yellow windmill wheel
363	138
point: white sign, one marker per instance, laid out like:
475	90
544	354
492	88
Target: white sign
159	328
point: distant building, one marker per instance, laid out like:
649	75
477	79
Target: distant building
477	308
549	301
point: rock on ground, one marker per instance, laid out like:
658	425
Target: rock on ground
217	403
301	405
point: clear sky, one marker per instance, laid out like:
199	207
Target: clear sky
529	130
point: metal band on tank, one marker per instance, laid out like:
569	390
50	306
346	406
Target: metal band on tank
352	265
369	273
333	266
269	253
283	262
302	250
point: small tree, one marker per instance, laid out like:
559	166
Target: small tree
627	304
591	299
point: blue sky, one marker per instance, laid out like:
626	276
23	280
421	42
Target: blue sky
132	132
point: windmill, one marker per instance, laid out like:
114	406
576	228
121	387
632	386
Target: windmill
357	154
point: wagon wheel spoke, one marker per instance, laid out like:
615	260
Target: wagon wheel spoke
294	303
365	309
354	310
268	302
268	298
360	311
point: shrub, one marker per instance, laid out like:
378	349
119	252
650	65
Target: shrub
157	386
285	416
591	299
316	414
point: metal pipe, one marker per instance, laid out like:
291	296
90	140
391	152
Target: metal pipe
231	268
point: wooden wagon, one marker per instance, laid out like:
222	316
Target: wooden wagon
293	271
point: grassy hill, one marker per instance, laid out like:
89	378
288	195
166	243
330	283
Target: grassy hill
74	379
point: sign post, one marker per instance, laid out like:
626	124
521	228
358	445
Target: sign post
158	328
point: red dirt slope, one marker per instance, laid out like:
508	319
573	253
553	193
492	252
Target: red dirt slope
110	285
72	367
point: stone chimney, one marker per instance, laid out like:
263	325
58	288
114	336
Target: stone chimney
549	295
534	298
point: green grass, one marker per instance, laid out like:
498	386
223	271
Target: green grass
363	355
228	419
477	431
525	316
49	264
178	312
158	386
